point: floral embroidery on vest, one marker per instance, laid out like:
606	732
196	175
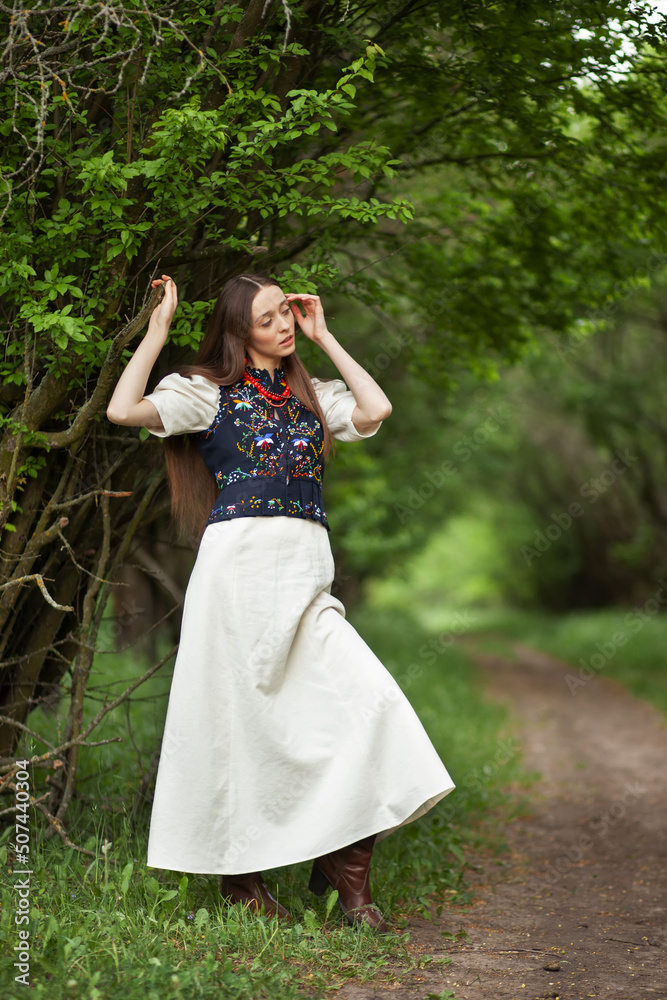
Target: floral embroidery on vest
251	441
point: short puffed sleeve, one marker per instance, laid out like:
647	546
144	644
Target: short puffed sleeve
186	403
337	404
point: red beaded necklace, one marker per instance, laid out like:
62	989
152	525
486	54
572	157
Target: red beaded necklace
277	399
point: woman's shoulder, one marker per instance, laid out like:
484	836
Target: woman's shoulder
329	391
186	403
327	385
188	383
338	404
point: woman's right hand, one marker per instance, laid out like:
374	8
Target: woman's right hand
163	313
127	405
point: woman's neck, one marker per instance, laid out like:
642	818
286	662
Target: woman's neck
264	361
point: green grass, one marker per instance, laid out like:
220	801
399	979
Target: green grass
104	931
628	645
119	929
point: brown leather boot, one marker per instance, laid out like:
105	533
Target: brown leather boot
348	871
251	890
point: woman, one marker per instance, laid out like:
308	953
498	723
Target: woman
285	738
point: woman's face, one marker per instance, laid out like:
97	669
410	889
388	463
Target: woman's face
271	335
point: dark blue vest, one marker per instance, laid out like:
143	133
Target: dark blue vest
266	459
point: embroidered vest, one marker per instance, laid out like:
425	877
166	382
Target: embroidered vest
266	459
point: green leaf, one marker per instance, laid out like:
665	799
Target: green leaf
152	885
125	877
332	899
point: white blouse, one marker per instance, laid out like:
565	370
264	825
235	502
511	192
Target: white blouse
189	403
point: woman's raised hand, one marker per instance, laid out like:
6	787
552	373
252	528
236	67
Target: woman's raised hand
164	311
313	323
127	405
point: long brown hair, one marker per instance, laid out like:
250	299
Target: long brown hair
221	358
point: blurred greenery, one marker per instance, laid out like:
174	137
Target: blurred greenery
628	645
455	587
551	479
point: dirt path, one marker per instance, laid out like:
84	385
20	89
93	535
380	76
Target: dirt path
582	887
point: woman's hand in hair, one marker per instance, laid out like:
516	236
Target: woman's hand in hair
313	324
163	313
372	404
127	405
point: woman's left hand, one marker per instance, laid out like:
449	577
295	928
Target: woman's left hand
313	323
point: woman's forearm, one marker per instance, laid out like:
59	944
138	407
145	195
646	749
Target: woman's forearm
127	404
373	406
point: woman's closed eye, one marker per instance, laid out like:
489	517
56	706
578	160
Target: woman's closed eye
285	312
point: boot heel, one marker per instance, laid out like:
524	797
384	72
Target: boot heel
318	881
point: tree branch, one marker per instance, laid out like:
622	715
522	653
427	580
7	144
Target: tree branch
61	439
37	577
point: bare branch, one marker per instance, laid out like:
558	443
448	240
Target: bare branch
57	826
56	752
20	725
37	577
128	691
32	60
75	501
92	406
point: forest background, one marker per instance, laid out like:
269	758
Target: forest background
475	189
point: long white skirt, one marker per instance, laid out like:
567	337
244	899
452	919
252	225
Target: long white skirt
285	737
